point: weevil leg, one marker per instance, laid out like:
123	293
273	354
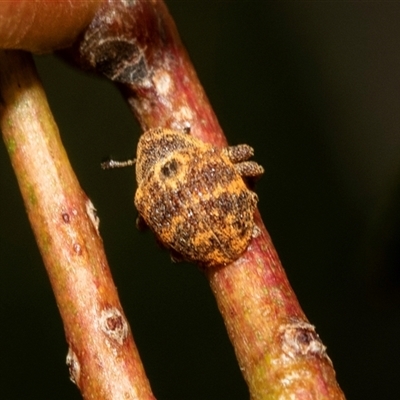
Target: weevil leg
239	153
175	256
249	169
141	223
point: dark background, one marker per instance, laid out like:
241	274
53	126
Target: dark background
314	87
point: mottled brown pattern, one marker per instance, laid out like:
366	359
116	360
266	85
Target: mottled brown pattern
193	197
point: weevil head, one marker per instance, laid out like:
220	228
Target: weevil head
155	145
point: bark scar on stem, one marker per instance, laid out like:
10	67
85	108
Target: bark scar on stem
74	366
114	325
65	217
92	213
300	339
120	60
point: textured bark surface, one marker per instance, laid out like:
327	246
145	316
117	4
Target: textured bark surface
137	46
102	358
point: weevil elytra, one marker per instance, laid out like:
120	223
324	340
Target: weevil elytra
193	197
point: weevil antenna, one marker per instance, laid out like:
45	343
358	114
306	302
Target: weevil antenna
110	164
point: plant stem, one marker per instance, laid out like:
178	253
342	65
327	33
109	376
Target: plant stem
102	357
136	45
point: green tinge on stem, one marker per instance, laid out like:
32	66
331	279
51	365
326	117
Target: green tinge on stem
102	358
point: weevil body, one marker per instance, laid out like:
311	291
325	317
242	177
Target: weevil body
193	197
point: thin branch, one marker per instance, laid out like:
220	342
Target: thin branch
136	45
102	358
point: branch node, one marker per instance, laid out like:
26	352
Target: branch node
114	325
92	214
300	339
74	367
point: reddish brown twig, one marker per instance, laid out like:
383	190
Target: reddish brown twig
102	358
136	45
